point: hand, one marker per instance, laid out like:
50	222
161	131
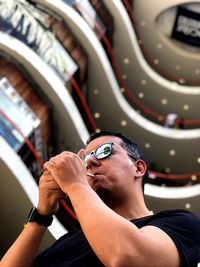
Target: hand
67	169
49	194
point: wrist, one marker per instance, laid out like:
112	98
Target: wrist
35	216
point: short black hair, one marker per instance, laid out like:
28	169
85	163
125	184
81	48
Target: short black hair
130	146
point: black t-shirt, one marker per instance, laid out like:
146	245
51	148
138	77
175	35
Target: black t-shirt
73	250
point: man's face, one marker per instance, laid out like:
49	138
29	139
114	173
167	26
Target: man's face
113	174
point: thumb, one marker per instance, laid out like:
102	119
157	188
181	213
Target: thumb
81	153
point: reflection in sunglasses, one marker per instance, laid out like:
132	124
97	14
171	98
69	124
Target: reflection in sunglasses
100	152
103	151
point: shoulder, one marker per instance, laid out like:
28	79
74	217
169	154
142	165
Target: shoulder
182	221
177	213
178	216
183	227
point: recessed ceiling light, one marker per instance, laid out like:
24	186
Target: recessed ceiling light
141	95
193	177
159	46
172	152
97	115
156	61
143	82
124	76
126	61
186	107
187	205
123	123
98	130
147	145
96	91
164	101
177	67
197	71
198	160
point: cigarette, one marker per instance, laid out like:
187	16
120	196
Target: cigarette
90	174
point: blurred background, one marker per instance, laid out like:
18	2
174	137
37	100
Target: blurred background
71	68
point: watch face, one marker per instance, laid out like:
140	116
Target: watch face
34	216
31	214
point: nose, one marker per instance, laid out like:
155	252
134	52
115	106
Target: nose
92	161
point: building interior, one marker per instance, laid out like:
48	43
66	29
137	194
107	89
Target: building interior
70	68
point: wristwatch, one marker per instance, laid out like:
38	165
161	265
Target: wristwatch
44	220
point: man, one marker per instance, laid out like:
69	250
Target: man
104	184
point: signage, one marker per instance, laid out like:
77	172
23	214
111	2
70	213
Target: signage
187	27
25	22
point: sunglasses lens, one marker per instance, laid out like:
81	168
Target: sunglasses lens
100	152
103	151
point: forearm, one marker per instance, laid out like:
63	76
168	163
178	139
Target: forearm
106	231
24	249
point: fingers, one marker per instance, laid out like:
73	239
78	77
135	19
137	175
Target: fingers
46	165
66	169
65	160
53	161
49	194
81	153
47	175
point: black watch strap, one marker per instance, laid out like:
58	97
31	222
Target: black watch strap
44	220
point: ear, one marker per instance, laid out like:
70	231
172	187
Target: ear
141	168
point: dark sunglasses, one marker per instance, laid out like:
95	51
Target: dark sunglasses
103	151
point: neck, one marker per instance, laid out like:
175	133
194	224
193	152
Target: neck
129	208
132	211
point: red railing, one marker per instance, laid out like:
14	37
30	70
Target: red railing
83	101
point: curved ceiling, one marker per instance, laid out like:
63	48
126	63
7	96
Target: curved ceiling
154	91
74	129
109	106
174	58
